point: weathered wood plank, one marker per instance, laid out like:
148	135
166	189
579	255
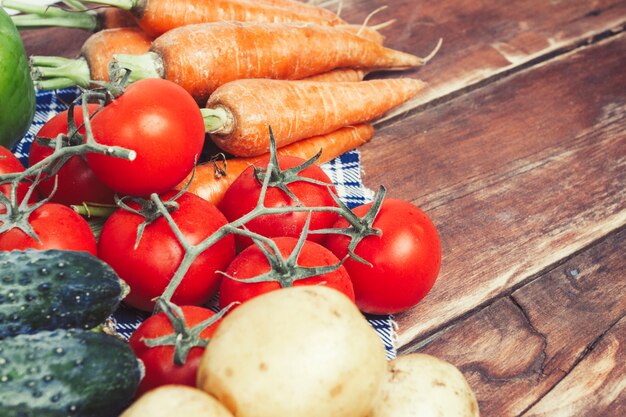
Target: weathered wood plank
482	39
596	387
516	176
54	41
523	346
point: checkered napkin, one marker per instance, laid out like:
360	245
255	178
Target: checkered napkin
345	172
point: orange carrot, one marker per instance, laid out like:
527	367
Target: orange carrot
92	64
156	17
40	16
238	113
339	75
364	32
112	17
210	181
202	57
349	74
99	48
303	8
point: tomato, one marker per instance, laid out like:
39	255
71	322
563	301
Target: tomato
9	164
76	182
251	262
243	194
57	227
149	268
158	361
161	122
405	258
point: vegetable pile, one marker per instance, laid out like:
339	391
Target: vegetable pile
120	203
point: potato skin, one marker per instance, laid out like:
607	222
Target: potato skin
300	351
175	401
422	385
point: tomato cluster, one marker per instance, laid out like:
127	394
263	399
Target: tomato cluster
175	246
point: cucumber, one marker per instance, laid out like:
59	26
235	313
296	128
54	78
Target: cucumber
63	373
55	289
17	93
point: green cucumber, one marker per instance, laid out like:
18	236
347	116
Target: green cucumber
17	93
65	373
55	289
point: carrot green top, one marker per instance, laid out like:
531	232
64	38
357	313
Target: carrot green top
38	16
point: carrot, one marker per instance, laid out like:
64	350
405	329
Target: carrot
350	74
98	50
112	17
364	32
202	57
210	181
92	63
40	16
238	114
339	75
156	17
303	8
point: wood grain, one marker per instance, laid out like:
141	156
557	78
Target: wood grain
54	41
516	176
558	329
596	387
484	39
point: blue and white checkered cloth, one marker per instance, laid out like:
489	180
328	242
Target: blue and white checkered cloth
345	172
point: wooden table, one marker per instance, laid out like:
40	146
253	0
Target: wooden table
517	151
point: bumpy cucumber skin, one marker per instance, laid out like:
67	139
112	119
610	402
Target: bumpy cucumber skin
17	93
66	373
54	289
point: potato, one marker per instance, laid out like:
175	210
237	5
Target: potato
300	351
422	385
176	401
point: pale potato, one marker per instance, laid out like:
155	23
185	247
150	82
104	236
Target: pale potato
297	352
176	401
425	386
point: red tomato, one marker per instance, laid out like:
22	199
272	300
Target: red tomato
243	195
9	164
161	122
159	361
57	226
76	182
150	267
251	262
405	259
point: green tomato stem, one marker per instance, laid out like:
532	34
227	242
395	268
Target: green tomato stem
51	72
235	227
90	210
148	65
